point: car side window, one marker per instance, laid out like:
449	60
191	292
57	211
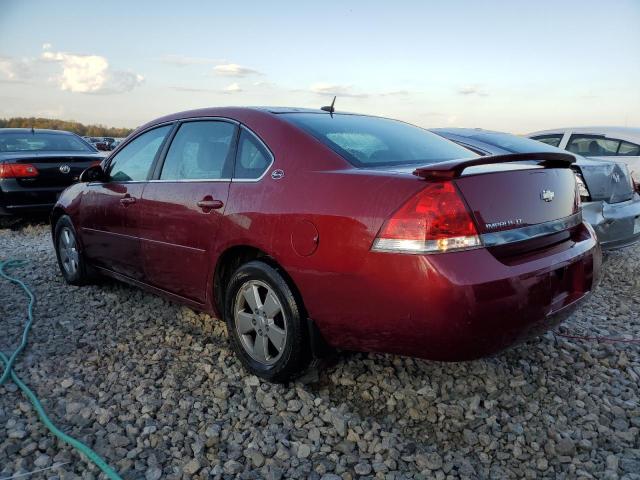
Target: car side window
253	158
201	150
593	145
134	161
628	149
553	140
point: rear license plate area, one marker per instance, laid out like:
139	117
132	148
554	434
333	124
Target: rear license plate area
570	283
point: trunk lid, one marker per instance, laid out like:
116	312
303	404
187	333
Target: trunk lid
511	199
59	169
606	181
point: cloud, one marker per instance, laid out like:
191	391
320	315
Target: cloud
233	88
395	93
472	90
234	70
329	89
14	70
190	89
183	61
90	74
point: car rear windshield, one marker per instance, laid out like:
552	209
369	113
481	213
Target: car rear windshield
514	143
372	141
41	142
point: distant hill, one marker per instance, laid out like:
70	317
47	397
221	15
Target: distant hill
71	126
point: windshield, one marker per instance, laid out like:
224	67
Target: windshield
41	142
514	143
371	141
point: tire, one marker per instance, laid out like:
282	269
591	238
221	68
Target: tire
266	323
71	262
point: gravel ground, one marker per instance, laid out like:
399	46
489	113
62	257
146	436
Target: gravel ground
153	387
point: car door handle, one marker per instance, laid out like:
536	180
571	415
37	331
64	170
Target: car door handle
209	204
127	200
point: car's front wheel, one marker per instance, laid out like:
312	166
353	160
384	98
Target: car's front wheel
266	323
70	259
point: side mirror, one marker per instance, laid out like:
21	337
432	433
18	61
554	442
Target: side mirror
93	174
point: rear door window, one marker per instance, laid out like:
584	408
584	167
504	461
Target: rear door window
134	161
253	158
593	145
553	140
628	149
200	150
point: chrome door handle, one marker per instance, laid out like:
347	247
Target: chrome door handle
210	204
127	200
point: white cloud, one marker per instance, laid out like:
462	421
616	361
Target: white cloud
14	70
233	88
472	90
329	89
46	46
90	74
234	70
183	60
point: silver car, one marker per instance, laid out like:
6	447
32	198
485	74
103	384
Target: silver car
609	202
619	144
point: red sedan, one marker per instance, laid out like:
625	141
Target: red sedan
305	229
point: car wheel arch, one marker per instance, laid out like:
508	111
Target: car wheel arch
56	213
235	256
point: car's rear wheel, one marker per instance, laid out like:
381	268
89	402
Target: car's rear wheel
70	260
265	323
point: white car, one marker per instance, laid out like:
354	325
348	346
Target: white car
619	144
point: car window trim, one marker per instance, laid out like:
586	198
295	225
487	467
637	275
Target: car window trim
155	178
127	142
264	145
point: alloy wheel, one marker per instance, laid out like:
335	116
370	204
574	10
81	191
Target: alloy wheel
260	322
67	247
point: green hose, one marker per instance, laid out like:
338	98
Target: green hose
9	372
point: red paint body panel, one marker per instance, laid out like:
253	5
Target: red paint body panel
319	222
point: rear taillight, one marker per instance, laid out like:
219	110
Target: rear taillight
583	191
17	170
433	221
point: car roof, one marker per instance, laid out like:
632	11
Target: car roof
35	130
631	134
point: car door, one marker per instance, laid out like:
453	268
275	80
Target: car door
111	209
183	206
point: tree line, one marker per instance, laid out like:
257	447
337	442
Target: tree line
71	126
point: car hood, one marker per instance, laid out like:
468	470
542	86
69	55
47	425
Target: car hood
606	181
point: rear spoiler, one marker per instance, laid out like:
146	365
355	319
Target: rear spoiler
454	168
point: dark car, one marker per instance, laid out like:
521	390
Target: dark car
609	201
97	143
110	142
303	228
37	165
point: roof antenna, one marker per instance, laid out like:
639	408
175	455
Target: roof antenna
330	108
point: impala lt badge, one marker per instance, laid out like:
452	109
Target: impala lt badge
65	169
547	195
504	224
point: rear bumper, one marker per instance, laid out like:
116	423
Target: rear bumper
615	224
16	199
454	306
